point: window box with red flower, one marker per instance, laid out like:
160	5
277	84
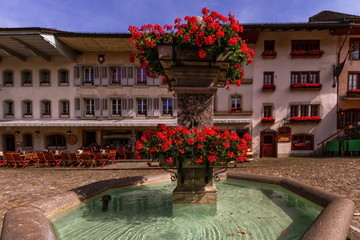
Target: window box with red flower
305	119
64	114
353	93
305	86
235	109
269	54
301	146
268	120
315	53
268	88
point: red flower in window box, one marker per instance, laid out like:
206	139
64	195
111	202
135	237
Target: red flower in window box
305	118
236	109
314	52
46	113
268	119
354	90
268	86
269	53
306	85
301	145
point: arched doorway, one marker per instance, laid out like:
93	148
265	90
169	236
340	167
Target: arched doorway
268	143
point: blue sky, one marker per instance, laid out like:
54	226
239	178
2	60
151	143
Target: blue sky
116	15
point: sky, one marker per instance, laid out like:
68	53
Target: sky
115	16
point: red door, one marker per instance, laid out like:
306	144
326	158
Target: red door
268	144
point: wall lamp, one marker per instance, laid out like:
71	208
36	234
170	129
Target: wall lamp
68	132
37	132
17	132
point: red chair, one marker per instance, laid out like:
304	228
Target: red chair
86	160
41	160
74	159
9	160
52	160
100	159
20	162
121	153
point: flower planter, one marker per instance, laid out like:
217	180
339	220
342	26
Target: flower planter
353	94
268	88
305	87
304	119
268	120
306	56
195	183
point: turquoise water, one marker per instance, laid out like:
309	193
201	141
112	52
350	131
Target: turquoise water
245	210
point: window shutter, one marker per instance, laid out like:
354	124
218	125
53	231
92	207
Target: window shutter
175	107
97	107
130	76
124	81
150	108
77	107
131	110
77	75
105	110
157	81
97	75
150	81
156	106
124	107
104	75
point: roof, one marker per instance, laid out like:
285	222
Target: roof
333	16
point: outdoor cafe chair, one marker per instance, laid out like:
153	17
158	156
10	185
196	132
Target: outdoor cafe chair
66	160
3	161
10	161
111	156
20	162
52	160
86	160
121	153
41	159
74	159
100	159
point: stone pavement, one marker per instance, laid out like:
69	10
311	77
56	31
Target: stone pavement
337	175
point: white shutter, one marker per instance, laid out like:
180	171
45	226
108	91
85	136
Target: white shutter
97	75
175	107
130	76
124	80
104	75
97	107
105	110
124	107
77	107
156	106
157	81
150	108
77	75
150	81
131	109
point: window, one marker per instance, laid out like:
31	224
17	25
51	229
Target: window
348	117
27	108
141	106
305	77
235	103
26	78
116	106
89	107
268	78
88	76
269	45
55	141
45	108
115	75
44	77
64	108
9	109
167	106
267	111
28	141
8	76
355	48
302	142
63	77
304	110
141	77
305	45
127	75
354	81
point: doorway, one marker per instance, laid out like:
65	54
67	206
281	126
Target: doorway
9	142
89	138
268	143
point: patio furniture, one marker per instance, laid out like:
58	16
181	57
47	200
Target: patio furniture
86	160
121	153
333	147
353	146
74	159
41	160
52	160
20	161
111	156
66	160
10	161
100	158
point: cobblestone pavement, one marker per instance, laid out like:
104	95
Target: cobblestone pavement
337	175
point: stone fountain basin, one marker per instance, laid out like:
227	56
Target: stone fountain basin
30	221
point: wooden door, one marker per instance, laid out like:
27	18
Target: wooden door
268	144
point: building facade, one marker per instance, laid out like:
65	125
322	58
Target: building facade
64	90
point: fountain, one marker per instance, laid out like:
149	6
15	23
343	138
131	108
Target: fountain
193	73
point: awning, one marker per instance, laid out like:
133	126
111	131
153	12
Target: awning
107	123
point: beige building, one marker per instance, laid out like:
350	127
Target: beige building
64	90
